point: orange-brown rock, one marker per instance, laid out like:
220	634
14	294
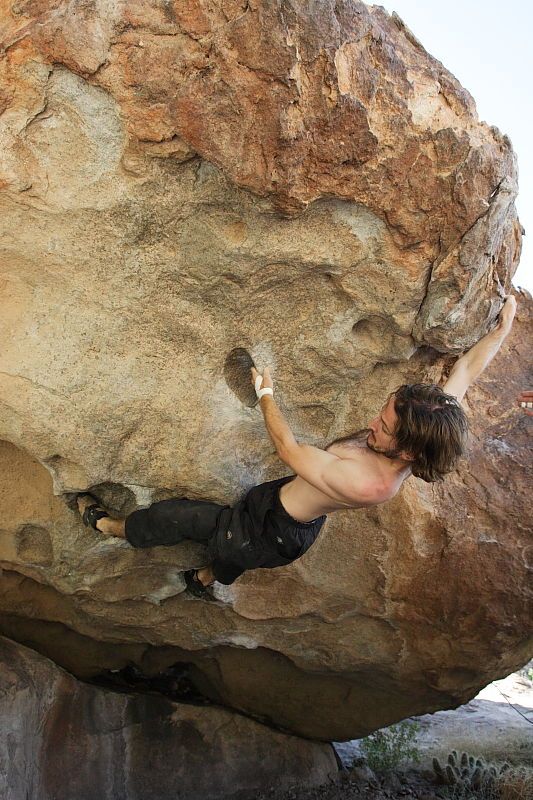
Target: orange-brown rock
178	180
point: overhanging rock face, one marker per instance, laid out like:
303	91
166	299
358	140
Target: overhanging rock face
315	188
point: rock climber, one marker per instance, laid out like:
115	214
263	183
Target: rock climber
421	430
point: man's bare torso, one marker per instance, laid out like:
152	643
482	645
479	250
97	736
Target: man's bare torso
304	502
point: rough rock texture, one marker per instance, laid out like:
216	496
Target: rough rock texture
306	182
62	740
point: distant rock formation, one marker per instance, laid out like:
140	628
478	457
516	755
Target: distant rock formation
311	186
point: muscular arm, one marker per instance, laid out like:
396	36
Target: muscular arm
334	476
277	426
475	360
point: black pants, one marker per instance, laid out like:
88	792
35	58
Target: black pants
257	532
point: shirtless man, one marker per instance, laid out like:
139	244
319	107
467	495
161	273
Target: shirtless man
421	430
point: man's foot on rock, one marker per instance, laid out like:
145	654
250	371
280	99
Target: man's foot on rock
195	586
90	511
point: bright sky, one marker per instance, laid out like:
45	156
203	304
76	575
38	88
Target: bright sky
487	45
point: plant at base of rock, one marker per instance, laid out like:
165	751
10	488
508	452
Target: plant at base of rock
386	749
466	770
472	777
516	784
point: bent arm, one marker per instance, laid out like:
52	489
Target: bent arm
340	479
334	476
277	426
292	453
474	361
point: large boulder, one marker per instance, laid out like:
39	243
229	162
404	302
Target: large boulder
307	182
64	740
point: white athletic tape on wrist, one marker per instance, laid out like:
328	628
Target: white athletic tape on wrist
261	392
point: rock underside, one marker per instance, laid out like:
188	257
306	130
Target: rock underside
309	184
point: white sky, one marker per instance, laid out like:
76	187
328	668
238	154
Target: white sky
488	46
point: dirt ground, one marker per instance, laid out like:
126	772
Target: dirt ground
496	724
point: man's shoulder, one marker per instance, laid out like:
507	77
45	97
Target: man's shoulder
367	481
351	479
360	480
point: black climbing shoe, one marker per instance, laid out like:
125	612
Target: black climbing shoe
92	513
196	587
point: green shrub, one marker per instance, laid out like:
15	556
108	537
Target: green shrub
387	748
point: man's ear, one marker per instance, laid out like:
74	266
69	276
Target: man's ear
406	456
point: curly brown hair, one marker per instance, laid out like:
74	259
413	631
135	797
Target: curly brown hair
432	427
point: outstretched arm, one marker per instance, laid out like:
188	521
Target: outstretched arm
474	361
